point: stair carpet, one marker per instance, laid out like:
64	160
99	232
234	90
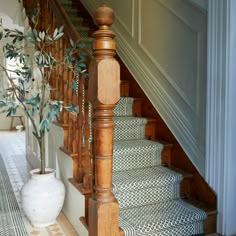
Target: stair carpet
78	23
148	193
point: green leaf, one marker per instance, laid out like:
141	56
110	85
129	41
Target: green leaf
85	75
35	33
71	108
81	45
33	101
19	32
37	53
42	35
33	111
11	111
2	104
61	28
72	43
74	85
58	36
55	33
44	125
82	64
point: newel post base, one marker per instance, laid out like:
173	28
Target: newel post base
103	218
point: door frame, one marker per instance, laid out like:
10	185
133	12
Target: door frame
221	111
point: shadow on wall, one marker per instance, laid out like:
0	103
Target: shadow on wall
51	152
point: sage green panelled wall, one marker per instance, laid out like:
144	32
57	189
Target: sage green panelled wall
164	45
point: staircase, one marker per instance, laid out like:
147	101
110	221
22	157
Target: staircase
148	193
155	198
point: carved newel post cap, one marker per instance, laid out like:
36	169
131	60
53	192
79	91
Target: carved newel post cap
104	15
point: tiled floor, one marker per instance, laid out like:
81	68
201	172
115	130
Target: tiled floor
12	149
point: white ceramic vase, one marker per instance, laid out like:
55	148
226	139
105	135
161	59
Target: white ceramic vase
42	198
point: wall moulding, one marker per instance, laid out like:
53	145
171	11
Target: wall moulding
174	81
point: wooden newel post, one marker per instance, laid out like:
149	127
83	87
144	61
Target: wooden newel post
104	93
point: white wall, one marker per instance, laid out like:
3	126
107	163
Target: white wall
164	45
74	201
12	9
10	12
5	122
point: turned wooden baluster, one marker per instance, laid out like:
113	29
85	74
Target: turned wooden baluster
80	130
104	93
42	15
74	118
70	122
65	112
52	49
56	75
87	150
60	73
87	164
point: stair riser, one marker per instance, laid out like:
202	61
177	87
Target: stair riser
130	157
129	132
184	230
124	88
168	218
147	196
124	107
128	106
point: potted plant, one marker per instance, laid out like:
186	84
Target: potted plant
43	190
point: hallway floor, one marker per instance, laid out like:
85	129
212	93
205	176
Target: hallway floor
12	150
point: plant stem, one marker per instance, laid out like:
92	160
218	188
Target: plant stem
42	155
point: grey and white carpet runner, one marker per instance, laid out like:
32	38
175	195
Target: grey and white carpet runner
148	193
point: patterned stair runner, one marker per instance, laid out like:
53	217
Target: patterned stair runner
148	193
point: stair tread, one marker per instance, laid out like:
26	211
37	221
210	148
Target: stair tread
129	127
154	218
130	154
143	186
128	180
130	120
